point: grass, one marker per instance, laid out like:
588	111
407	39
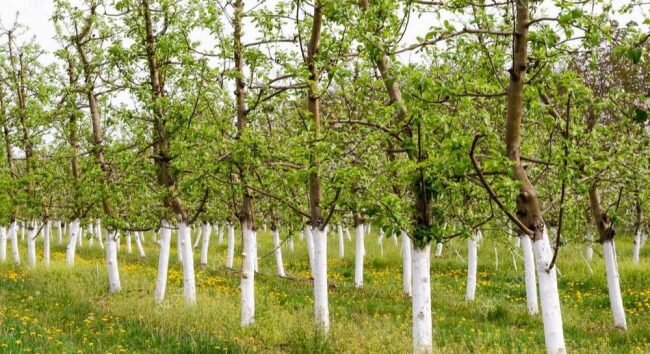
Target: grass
68	310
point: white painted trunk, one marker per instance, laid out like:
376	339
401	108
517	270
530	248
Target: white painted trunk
321	303
359	251
118	240
422	321
278	253
219	231
341	242
439	249
179	246
98	231
529	275
230	256
3	244
637	248
380	242
80	233
407	281
31	245
309	240
255	259
549	297
22	230
59	233
205	245
613	284
114	284
247	285
129	250
347	234
394	238
163	261
13	234
199	236
472	264
138	243
72	243
517	241
189	286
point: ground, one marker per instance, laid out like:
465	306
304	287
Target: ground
69	310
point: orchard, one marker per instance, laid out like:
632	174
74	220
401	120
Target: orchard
368	176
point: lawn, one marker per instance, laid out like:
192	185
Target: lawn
68	310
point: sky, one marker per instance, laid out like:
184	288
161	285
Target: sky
36	15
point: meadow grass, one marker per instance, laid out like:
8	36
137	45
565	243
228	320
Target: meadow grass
69	310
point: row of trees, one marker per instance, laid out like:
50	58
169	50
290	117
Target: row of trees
161	114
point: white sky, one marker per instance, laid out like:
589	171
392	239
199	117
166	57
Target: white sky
36	14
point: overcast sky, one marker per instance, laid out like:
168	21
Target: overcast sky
36	15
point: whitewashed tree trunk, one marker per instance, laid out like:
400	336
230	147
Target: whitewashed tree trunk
549	297
23	227
13	235
129	249
189	285
359	251
278	253
138	243
422	322
309	240
205	231
613	284
255	259
118	240
438	249
163	261
47	234
179	246
72	243
321	302
98	231
199	236
114	284
219	231
247	286
31	245
517	241
393	237
380	242
529	275
407	281
59	233
347	234
472	263
341	242
230	256
80	233
3	244
637	248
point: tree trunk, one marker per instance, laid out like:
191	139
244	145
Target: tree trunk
3	244
341	242
359	255
138	243
248	276
129	249
529	275
472	263
31	245
321	304
230	256
114	284
189	287
615	298
205	231
407	280
163	261
278	251
72	243
422	321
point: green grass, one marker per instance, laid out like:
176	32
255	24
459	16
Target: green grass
68	310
